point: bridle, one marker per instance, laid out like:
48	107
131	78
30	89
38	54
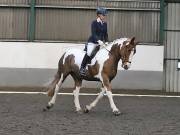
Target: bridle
124	57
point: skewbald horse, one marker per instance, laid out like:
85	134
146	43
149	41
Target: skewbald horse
103	68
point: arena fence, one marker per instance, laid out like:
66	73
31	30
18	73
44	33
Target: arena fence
69	20
172	47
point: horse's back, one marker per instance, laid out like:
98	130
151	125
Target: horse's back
77	54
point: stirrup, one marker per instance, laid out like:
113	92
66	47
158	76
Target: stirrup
82	71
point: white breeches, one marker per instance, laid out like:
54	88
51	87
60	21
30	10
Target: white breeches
90	48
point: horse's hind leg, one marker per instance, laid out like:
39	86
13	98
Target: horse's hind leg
93	104
53	99
52	86
56	90
78	83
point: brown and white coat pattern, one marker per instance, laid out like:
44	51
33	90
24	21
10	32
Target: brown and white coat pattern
103	68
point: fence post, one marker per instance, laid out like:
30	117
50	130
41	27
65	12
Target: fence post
32	21
97	3
161	32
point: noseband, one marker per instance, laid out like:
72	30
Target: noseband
127	62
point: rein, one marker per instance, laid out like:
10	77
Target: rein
108	51
104	46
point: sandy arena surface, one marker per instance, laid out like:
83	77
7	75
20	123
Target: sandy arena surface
21	114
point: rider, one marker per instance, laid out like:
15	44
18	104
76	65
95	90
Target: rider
98	36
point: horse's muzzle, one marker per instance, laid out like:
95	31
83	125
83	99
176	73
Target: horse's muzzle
127	65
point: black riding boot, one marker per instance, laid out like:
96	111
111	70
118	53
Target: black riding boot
85	60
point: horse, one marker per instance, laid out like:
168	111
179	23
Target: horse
103	68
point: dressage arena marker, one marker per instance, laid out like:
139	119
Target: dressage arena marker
90	94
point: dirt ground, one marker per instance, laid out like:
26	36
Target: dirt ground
21	114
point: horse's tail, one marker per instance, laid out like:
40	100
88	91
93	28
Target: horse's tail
52	86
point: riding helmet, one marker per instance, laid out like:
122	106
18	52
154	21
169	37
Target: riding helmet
101	10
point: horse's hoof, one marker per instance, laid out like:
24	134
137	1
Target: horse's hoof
117	113
44	109
79	111
48	107
86	110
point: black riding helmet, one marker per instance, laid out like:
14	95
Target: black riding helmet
102	11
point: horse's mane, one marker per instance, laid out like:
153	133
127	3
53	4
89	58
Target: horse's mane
118	41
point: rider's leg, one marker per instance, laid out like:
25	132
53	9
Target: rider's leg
85	48
84	63
96	49
87	57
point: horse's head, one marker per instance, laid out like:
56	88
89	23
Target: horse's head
127	51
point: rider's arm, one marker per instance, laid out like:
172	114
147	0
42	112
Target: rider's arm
106	34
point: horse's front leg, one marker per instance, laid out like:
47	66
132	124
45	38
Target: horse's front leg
76	99
107	87
112	104
93	104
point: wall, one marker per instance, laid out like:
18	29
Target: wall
172	46
70	20
34	64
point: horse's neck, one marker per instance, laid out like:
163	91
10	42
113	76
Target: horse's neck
111	52
114	54
115	48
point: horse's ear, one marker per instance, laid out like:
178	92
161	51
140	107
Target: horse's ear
132	40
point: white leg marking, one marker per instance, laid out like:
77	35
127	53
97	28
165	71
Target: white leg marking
76	98
113	106
93	104
58	85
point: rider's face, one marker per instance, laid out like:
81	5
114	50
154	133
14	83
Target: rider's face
102	17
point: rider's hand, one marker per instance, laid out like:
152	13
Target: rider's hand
100	42
106	43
